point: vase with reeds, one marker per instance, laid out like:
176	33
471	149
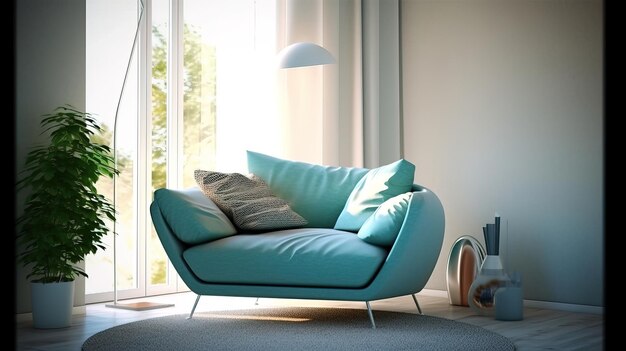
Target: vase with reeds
481	293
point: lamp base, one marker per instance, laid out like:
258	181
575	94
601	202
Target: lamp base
139	306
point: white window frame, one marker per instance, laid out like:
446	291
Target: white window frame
142	169
174	147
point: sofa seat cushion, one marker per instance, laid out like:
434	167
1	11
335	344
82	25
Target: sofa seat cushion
308	257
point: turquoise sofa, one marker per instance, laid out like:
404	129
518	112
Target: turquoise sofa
312	262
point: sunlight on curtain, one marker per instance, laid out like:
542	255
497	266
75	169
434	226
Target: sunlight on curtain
229	88
321	106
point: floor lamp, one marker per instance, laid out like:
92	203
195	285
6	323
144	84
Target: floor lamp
303	54
136	306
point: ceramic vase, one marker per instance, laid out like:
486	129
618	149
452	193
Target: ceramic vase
481	294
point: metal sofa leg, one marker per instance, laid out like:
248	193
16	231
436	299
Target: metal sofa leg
369	312
256	303
194	307
417	304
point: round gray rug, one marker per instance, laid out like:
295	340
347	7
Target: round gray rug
297	329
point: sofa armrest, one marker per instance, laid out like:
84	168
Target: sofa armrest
415	252
183	218
192	216
173	247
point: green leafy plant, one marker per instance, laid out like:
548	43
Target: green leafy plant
64	215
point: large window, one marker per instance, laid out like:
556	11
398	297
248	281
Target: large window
200	92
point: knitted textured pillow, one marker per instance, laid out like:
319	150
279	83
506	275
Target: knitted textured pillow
247	201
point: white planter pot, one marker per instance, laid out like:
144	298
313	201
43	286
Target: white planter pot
52	304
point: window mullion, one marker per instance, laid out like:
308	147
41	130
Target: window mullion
175	95
144	156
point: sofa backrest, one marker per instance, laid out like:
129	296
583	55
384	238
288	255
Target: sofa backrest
317	193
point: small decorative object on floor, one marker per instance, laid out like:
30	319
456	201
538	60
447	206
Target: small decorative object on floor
464	261
509	300
491	276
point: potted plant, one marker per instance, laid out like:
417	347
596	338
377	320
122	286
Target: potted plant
64	215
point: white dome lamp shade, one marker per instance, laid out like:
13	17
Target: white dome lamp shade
303	54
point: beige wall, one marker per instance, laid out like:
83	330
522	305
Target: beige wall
503	111
50	71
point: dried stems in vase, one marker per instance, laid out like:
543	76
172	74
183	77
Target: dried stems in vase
491	231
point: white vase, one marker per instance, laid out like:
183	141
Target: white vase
481	294
52	304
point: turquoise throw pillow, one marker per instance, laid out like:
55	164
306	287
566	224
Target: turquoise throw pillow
379	185
382	227
317	193
193	217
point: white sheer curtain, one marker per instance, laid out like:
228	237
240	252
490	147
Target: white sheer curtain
335	114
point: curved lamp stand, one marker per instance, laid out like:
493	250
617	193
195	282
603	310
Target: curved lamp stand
304	54
137	306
